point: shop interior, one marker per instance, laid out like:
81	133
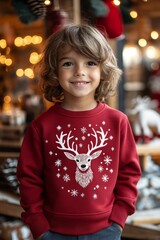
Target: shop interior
133	28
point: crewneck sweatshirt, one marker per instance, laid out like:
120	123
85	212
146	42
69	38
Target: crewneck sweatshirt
78	171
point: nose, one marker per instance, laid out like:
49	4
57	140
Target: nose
83	166
79	71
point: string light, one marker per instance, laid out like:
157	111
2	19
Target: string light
133	14
154	35
117	2
142	42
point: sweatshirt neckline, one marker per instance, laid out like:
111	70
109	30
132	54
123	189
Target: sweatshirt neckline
87	113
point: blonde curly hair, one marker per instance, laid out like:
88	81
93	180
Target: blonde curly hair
88	41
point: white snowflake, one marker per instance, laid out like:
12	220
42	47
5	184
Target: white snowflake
58	163
107	160
112	148
50	153
95	196
66	178
59	127
83	138
58	175
90	125
74	193
103	122
82	195
76	138
105	178
80	145
83	130
65	168
111	170
100	169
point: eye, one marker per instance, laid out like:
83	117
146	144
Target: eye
77	160
92	63
67	64
89	160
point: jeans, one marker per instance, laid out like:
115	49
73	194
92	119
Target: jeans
111	233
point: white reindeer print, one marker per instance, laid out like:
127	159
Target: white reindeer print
84	174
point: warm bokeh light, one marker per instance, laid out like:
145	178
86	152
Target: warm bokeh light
142	42
3	43
131	55
7	99
18	42
19	72
8	62
28	72
117	2
2	59
36	39
154	35
47	2
27	40
152	52
133	14
34	58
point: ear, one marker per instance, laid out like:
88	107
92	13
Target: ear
69	155
96	154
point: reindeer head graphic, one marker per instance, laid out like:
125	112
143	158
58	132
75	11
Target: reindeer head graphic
84	174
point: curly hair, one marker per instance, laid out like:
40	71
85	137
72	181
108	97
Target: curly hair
88	41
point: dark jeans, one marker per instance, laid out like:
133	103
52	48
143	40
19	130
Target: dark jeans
111	233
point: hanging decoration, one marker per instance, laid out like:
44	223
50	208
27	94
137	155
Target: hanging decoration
112	23
94	8
55	19
29	10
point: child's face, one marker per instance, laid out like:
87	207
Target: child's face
78	75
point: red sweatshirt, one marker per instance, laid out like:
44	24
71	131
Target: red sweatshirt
78	171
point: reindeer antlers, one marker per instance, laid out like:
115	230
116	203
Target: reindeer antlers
102	138
65	144
62	142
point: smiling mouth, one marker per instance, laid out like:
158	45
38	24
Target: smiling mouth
80	83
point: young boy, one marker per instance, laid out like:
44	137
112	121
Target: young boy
78	166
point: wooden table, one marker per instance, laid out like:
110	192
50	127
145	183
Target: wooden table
145	150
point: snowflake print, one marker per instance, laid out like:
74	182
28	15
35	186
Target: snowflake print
74	193
112	148
105	178
100	169
103	123
50	153
66	178
95	196
65	168
80	145
83	130
90	125
58	163
58	175
83	138
82	195
107	160
96	187
111	170
59	127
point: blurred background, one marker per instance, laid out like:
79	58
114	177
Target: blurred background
132	28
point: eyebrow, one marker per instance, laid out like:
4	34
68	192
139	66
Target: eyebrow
64	58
